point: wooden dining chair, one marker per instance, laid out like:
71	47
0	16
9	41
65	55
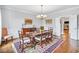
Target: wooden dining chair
21	41
5	34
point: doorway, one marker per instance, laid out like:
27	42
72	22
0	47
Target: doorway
66	29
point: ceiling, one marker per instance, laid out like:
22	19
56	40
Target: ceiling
36	9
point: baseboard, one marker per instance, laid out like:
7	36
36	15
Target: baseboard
74	39
58	36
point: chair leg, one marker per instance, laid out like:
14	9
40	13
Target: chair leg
22	48
6	41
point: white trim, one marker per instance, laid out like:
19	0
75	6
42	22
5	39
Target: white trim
18	10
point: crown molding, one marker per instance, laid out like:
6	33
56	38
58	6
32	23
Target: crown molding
19	10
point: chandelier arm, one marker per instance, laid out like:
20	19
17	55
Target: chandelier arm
41	9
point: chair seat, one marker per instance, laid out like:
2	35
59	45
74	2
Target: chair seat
26	40
39	38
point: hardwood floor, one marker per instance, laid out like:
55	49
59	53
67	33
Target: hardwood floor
6	48
65	47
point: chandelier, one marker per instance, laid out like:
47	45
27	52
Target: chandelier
41	16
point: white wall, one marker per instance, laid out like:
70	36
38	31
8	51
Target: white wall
14	19
78	27
73	27
56	28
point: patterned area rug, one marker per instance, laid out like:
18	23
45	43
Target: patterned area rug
46	48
